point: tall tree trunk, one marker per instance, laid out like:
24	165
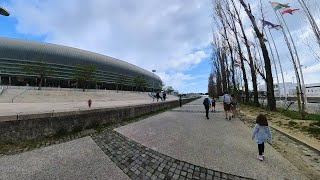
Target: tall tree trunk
270	90
228	76
251	61
40	83
224	25
234	89
223	70
219	87
84	86
244	75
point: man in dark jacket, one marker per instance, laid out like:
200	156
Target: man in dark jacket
206	103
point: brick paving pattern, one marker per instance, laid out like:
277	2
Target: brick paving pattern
140	162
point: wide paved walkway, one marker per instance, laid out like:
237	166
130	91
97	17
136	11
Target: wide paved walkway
178	144
218	144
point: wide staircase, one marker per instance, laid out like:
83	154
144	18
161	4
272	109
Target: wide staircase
57	95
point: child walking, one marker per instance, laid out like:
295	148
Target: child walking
261	134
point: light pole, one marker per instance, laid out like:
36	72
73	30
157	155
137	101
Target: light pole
153	71
4	12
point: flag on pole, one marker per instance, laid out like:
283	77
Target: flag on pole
289	11
278	6
270	25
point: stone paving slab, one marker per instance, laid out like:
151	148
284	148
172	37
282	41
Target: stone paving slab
142	163
79	159
217	144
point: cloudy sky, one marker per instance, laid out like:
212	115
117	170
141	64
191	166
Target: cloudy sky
171	36
302	35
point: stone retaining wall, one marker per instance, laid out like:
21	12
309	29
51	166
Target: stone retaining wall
40	125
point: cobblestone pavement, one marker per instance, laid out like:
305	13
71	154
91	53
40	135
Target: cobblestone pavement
140	162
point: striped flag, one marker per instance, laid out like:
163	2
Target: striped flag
289	11
278	6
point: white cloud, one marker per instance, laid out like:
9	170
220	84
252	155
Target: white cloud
185	62
185	82
158	35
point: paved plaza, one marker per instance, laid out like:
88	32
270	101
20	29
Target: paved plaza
53	100
177	144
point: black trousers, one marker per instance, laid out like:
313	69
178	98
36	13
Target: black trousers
261	148
207	110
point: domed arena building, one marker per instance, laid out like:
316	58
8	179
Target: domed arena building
109	73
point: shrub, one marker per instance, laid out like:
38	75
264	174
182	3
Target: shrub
317	123
61	132
76	129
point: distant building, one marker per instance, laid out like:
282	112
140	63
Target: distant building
312	90
63	61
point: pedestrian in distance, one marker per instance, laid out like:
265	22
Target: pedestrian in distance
207	103
164	96
261	134
213	104
226	98
158	96
180	100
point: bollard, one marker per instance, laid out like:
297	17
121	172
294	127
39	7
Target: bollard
89	103
180	100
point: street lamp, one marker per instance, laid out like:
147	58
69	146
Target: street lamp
4	12
153	71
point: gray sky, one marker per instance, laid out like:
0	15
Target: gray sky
171	36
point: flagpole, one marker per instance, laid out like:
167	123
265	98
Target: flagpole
274	62
298	61
312	22
275	47
292	57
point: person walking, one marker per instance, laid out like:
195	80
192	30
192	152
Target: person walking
164	96
180	100
261	134
157	96
207	103
227	104
213	104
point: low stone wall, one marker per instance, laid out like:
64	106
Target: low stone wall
29	127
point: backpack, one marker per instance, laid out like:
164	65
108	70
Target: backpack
206	102
227	99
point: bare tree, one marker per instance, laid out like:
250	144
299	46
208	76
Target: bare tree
251	61
231	23
267	62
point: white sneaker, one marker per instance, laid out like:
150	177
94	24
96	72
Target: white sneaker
263	156
260	158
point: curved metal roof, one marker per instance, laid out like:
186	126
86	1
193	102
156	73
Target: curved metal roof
52	53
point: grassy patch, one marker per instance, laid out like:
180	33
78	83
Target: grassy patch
292	123
296	115
314	130
317	123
